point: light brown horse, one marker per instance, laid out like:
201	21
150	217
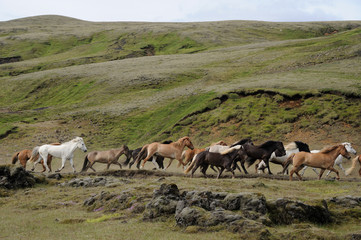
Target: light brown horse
24	155
109	157
172	150
354	161
325	159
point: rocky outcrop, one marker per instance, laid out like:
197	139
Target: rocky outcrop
14	176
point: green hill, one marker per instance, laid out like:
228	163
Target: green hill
136	82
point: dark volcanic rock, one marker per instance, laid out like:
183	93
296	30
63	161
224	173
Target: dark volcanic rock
13	177
285	211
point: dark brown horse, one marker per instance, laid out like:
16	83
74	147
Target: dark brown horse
24	155
262	152
219	160
109	157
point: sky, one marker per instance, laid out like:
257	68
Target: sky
185	10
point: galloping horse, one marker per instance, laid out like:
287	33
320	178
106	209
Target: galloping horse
338	160
172	150
134	154
263	152
108	157
325	159
220	160
354	161
293	147
190	154
64	151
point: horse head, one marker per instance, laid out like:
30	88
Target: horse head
127	152
349	148
344	152
81	144
187	142
280	151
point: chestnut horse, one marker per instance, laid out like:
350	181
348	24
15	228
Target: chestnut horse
172	150
354	161
325	159
24	155
108	157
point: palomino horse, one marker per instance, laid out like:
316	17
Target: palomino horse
263	152
293	147
108	157
338	160
172	150
64	151
354	161
134	154
325	159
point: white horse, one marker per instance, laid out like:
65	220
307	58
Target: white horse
64	151
293	147
338	160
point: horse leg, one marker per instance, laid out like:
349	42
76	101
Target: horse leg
321	172
72	164
220	172
170	162
50	158
297	170
154	161
90	165
344	170
36	162
62	164
194	169
45	159
204	169
334	170
315	170
267	164
120	165
303	170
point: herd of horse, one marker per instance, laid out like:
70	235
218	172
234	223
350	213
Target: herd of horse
219	156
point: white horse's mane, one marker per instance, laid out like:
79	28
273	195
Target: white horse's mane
291	146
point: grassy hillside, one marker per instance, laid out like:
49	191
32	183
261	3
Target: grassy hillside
133	83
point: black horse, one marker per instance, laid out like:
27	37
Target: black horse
220	160
263	152
134	154
293	147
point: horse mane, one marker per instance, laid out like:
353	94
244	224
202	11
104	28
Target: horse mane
291	146
329	149
241	142
303	147
267	144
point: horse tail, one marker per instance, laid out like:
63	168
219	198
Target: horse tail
15	158
141	153
34	153
288	161
195	159
231	149
354	162
86	161
183	154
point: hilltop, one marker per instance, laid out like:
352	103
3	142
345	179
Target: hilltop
135	82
